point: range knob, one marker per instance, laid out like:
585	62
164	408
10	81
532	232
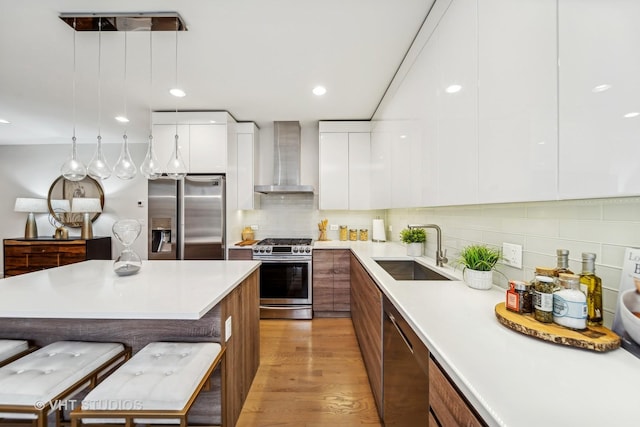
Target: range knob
262	250
295	249
268	249
308	250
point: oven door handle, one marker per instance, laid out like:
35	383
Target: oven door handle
282	307
283	261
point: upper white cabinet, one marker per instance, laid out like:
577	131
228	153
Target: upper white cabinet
380	166
344	165
599	98
456	43
203	138
517	102
247	155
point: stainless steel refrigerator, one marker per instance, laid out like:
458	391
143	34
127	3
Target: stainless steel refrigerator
187	218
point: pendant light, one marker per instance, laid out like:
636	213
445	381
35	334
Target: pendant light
176	167
98	167
125	168
73	169
150	167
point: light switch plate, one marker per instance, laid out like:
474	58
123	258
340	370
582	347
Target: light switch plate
255	227
227	329
512	255
333	227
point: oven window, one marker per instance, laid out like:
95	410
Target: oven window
284	280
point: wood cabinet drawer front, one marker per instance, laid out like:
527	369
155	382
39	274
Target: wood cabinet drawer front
240	254
18	250
39	261
447	404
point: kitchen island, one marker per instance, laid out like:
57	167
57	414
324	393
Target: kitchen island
187	301
508	378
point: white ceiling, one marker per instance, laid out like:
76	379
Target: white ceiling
256	59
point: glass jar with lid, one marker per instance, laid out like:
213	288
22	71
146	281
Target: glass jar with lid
364	234
343	233
353	234
544	285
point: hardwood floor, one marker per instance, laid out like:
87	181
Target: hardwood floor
311	374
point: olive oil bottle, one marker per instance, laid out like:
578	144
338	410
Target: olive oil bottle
591	285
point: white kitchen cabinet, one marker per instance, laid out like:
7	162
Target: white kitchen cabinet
247	155
456	41
517	101
599	98
344	165
208	148
203	139
380	166
334	171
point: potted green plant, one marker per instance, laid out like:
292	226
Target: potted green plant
479	262
414	238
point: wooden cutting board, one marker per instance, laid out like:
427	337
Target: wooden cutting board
247	243
596	338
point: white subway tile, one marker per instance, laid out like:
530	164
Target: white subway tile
616	233
622	209
572	209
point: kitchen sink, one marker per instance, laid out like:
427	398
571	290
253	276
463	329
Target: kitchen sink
409	270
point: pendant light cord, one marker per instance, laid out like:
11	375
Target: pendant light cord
99	77
150	83
73	90
125	82
176	80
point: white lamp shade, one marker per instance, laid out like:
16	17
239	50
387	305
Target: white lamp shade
27	204
82	205
60	205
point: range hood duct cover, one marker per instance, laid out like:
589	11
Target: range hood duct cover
286	161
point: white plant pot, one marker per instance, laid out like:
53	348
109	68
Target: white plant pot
478	279
414	249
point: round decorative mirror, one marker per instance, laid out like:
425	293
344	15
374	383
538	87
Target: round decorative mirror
62	191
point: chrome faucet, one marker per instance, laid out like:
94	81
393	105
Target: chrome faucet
441	257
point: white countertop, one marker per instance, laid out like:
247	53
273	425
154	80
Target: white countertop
510	378
91	290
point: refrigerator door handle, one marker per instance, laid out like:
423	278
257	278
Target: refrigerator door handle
202	178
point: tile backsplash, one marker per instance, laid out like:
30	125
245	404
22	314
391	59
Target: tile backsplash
603	226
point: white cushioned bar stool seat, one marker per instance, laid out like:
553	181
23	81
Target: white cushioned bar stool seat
11	350
38	383
157	385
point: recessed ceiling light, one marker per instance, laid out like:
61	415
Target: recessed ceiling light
319	90
212	121
601	88
179	93
541	143
4	122
403	136
453	89
122	119
631	115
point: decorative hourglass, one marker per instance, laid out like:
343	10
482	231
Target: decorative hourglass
128	262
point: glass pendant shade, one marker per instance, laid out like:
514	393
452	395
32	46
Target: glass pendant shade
150	168
98	167
125	168
73	169
176	167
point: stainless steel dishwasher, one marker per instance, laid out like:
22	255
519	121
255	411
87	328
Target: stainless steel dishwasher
405	373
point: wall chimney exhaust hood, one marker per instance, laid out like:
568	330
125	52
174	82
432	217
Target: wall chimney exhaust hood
286	161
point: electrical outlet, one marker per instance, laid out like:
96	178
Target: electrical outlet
227	329
512	255
255	227
390	228
333	227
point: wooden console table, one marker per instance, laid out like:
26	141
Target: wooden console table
27	255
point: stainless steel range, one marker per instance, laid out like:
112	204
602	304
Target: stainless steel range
285	278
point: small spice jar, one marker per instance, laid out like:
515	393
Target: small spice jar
343	233
544	285
519	297
353	234
364	234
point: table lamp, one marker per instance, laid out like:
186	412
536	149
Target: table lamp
33	206
86	206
